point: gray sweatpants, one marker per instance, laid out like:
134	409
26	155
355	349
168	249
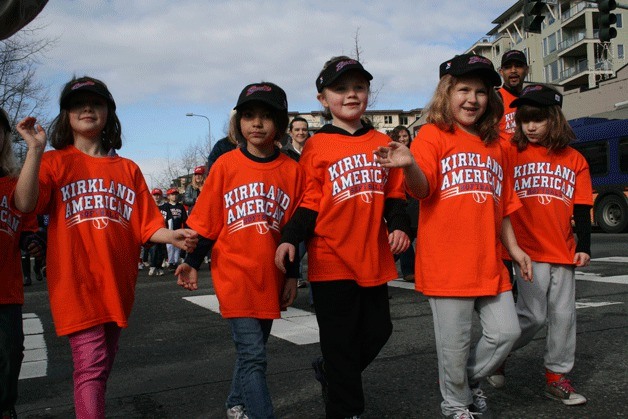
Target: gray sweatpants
551	300
458	362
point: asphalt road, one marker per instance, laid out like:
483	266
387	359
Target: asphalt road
176	358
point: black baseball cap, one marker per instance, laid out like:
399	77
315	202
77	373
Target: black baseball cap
268	93
538	95
85	84
464	64
337	68
4	118
514	55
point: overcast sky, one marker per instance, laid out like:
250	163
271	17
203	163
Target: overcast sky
164	58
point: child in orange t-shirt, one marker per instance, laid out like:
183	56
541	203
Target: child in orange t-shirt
101	212
465	205
17	231
553	183
247	198
353	218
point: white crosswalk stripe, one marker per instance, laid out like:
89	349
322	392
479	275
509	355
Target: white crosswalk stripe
35	363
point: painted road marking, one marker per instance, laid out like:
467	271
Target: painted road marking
296	326
617	259
586	304
35	363
586	276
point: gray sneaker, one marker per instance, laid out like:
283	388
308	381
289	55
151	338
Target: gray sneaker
236	412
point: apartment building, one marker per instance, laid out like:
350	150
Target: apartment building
567	53
383	120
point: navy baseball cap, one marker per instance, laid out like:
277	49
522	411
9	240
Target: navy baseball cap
538	95
268	93
4	118
85	84
465	64
514	55
337	68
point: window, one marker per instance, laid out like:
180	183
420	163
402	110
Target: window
620	51
388	119
596	154
403	120
618	25
623	155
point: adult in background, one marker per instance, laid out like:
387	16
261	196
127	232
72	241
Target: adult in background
514	70
193	190
298	129
299	133
221	147
402	135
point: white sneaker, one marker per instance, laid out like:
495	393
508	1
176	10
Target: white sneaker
160	272
140	266
151	271
236	412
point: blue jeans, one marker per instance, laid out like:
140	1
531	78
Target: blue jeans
248	386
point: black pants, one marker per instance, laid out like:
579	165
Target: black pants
354	324
11	353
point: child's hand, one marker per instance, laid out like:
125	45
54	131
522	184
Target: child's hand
581	259
398	241
524	262
289	293
394	155
187	277
284	250
34	135
185	239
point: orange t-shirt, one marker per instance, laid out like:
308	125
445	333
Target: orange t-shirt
458	246
549	185
12	224
507	123
243	207
348	190
101	212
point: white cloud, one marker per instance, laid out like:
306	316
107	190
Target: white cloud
168	58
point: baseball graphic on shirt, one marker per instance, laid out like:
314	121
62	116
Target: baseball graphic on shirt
262	228
544	199
100	223
479	197
367	197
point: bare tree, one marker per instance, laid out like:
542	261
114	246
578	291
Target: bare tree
20	92
357	53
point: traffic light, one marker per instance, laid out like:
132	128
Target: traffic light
606	19
533	15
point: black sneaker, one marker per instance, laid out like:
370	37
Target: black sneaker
27	281
319	372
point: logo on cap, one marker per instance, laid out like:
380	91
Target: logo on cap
258	88
82	84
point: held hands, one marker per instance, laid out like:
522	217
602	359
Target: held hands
524	262
398	241
187	277
581	259
394	155
284	250
289	293
33	134
185	239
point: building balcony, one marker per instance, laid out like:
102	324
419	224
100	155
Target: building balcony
579	73
574	16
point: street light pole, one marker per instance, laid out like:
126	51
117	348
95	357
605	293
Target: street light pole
209	126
